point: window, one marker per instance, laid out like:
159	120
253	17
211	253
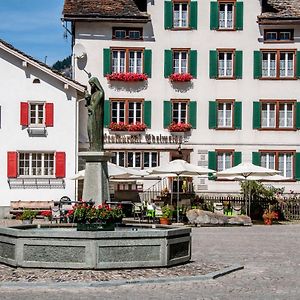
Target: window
224	160
225	64
279	160
135	159
277	114
281	35
278	64
225	112
127	60
37	114
127	111
179	111
180	15
127	33
180	62
36	111
36	164
226	15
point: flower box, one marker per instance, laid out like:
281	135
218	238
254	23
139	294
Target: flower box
179	127
138	127
127	77
105	226
177	77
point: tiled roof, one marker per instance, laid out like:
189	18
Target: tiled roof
103	9
280	9
41	64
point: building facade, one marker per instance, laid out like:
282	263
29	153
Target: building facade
38	130
213	82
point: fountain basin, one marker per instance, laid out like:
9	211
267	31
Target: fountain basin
58	246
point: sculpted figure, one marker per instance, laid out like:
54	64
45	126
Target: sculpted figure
95	106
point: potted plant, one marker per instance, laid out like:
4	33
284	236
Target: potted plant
270	215
178	77
179	127
126	77
47	214
166	215
27	216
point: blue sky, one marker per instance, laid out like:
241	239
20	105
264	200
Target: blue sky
34	27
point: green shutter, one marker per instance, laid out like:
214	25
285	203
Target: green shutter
298	64
256	115
238	64
238	115
106	113
256	158
148	62
167	113
106	62
239	15
193	63
214	15
168	63
237	158
297	122
147	113
212	164
257	65
212	116
193	114
213	64
194	15
297	166
168	14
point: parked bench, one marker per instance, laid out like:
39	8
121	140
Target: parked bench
17	207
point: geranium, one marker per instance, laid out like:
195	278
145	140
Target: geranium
179	127
270	215
137	127
121	126
185	77
127	77
46	213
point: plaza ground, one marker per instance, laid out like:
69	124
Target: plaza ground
270	255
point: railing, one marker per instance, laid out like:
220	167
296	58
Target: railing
154	191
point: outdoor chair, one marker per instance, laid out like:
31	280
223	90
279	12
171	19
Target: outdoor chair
138	211
236	210
219	208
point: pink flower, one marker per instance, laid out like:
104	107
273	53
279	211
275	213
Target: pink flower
127	77
185	77
179	127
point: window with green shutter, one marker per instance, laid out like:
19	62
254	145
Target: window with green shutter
167	113
237	115
168	14
106	62
257	71
148	62
193	63
239	15
147	113
106	113
298	64
213	64
212	116
297	166
256	158
256	115
237	158
212	164
298	115
214	15
193	114
238	64
193	14
168	67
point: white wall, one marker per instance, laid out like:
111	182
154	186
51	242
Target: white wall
96	36
17	86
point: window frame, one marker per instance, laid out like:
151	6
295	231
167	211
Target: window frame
187	101
36	103
233	2
277	63
126	108
232	51
187	51
277	106
188	2
127	31
225	101
30	164
277	153
127	56
278	40
224	151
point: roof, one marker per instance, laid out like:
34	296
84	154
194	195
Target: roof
103	10
32	61
280	10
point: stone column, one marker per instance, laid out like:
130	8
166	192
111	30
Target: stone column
96	185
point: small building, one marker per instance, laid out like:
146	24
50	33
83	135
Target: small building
38	130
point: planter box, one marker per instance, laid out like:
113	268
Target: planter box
96	227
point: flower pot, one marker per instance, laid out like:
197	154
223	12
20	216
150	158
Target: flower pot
104	226
164	221
27	222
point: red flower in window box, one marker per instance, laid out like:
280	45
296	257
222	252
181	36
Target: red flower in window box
179	127
121	126
127	77
137	127
185	77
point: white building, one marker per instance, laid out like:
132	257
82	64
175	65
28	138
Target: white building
38	130
243	100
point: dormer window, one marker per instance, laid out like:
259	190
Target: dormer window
280	35
126	33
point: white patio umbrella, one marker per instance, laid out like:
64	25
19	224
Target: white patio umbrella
244	171
180	168
115	172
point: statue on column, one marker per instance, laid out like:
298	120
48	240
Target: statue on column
95	107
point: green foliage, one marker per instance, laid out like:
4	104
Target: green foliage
61	65
167	211
28	214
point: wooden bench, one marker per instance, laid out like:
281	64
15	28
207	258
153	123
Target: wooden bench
17	207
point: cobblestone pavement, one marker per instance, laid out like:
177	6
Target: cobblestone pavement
270	254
